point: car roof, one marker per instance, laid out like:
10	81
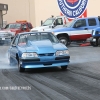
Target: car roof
19	22
86	17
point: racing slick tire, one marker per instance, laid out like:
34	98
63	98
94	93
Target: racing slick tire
64	40
64	67
94	43
20	67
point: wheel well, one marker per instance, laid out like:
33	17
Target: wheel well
63	35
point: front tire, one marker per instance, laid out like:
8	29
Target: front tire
94	44
20	67
64	67
64	40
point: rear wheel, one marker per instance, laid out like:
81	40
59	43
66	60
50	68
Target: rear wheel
64	67
20	67
64	40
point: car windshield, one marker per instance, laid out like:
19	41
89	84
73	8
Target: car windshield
24	38
70	23
48	22
13	26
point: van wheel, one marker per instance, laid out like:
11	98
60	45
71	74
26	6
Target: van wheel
20	67
94	44
64	40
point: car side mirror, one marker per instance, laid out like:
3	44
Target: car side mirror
41	22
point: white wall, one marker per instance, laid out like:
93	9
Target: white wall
44	9
37	10
19	10
93	8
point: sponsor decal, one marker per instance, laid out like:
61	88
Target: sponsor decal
72	8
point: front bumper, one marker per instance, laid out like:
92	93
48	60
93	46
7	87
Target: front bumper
37	63
5	39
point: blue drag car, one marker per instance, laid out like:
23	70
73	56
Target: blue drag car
38	49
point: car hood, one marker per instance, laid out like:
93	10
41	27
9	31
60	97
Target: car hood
45	46
12	30
39	28
4	33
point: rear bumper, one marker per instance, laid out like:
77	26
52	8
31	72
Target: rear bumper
37	63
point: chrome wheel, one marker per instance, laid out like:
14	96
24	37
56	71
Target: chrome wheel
64	40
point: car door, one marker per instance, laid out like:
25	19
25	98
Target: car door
13	48
80	32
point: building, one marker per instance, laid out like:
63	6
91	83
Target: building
37	10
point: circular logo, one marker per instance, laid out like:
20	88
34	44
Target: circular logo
72	8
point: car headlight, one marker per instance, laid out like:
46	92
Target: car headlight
29	55
63	52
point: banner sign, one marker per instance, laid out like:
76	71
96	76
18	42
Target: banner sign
72	8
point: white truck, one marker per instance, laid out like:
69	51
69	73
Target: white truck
51	23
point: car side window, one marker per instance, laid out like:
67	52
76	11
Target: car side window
59	21
82	21
92	22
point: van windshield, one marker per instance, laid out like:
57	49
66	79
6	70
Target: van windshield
48	22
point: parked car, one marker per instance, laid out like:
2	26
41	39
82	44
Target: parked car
77	30
38	49
51	23
18	27
95	41
5	37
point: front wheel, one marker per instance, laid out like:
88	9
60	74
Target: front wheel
94	42
64	40
64	67
20	67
